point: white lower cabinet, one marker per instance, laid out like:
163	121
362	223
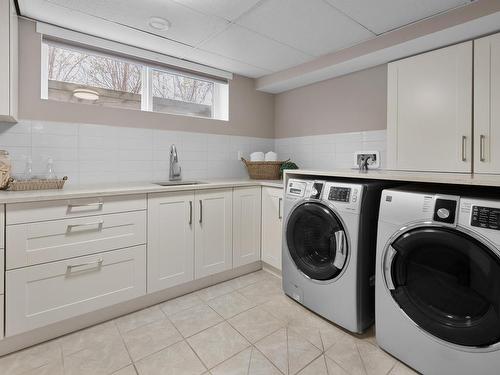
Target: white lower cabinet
170	239
247	218
213	232
39	295
272	222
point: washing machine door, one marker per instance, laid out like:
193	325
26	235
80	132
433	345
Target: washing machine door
316	240
448	283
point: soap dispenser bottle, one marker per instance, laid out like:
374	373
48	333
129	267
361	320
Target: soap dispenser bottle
49	173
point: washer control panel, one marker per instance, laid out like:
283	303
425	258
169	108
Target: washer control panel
485	217
296	188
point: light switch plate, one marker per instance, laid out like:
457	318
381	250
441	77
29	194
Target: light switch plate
374	164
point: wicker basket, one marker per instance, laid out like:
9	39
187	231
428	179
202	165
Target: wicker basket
36	184
263	170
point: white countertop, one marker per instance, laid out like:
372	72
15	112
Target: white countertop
428	177
83	191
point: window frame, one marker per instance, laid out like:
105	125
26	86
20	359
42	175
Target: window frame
220	94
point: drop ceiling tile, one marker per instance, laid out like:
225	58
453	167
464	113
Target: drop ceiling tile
187	25
312	26
228	9
383	15
221	62
241	44
82	22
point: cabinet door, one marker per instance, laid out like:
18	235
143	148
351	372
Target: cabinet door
8	61
486	108
170	239
247	218
213	232
272	222
429	111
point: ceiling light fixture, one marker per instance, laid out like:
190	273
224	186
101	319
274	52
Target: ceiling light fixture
159	23
85	94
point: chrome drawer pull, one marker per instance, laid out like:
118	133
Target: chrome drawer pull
98	223
97	205
97	263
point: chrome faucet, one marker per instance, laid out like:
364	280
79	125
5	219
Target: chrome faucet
175	169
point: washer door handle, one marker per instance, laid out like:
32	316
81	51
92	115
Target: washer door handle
340	245
387	264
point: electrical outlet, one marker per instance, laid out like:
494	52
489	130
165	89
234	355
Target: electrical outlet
240	155
373	155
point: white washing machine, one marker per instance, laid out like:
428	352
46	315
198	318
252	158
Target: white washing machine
438	282
329	248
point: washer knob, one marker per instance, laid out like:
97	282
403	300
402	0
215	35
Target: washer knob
443	213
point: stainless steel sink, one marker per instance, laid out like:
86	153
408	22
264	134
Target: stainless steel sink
177	183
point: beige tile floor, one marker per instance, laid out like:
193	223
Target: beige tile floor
242	326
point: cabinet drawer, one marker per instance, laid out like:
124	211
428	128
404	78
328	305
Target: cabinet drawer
40	295
47	241
68	208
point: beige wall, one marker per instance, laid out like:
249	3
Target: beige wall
251	113
354	102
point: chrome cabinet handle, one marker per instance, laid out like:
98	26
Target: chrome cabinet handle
98	223
482	138
280	216
201	211
190	212
97	263
97	205
464	148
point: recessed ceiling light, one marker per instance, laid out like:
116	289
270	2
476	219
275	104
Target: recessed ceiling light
85	94
159	23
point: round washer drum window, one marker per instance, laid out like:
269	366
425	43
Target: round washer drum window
312	234
449	284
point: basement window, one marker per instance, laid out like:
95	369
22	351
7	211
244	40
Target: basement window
76	75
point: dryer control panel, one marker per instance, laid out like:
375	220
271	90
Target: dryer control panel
481	216
485	217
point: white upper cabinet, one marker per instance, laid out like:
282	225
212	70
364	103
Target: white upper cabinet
272	222
487	104
213	232
246	225
429	113
170	239
8	61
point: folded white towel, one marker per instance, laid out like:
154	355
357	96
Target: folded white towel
271	156
257	156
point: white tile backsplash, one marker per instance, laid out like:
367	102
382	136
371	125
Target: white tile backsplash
89	153
331	151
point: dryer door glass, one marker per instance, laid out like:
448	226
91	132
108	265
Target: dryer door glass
448	283
316	241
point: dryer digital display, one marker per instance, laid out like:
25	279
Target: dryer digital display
485	217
